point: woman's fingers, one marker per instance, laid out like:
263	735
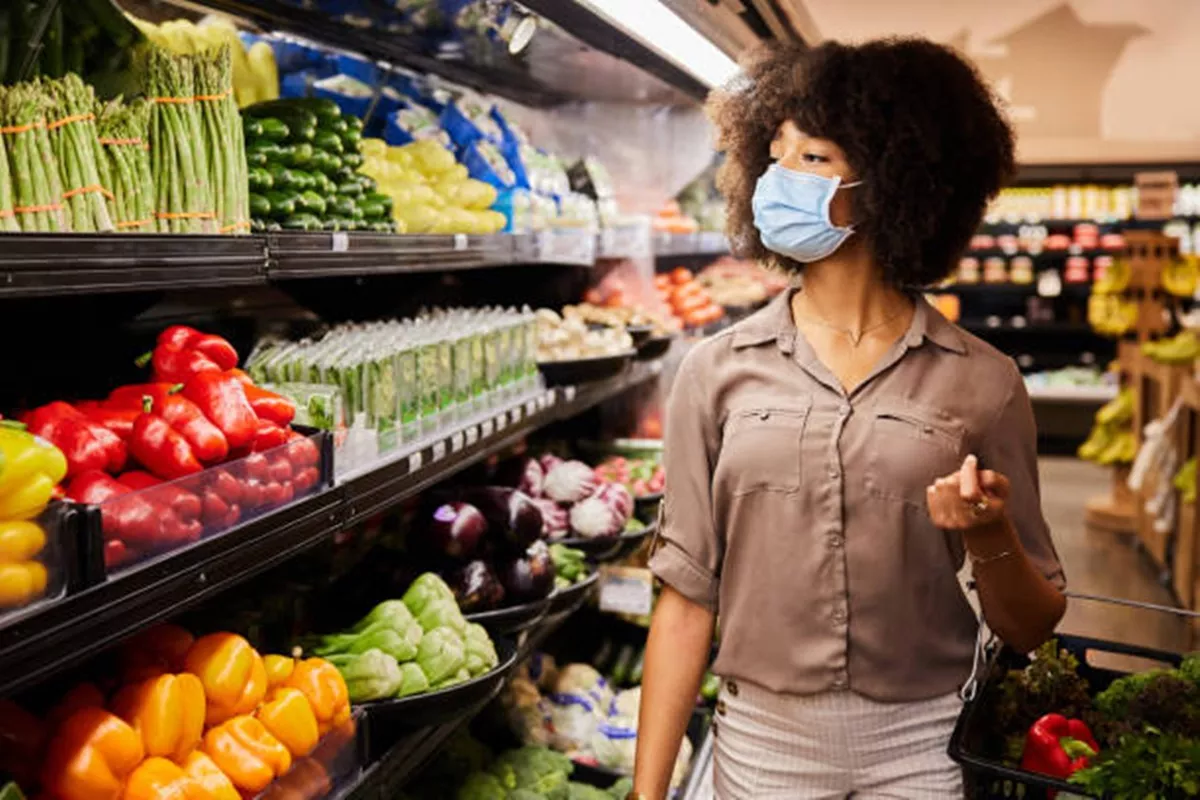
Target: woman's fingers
994	483
968	477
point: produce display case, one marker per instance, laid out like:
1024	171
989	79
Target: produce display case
40	563
137	526
336	764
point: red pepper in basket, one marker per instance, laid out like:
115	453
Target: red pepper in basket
182	502
1058	747
270	406
217	512
86	444
226	486
160	448
306	479
222	399
119	421
280	468
212	346
269	436
207	442
125	515
303	451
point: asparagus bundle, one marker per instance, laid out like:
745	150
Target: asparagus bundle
8	217
125	163
222	128
32	165
72	134
178	150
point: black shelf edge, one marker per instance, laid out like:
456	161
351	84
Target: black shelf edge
84	624
41	264
67	632
312	255
1078	290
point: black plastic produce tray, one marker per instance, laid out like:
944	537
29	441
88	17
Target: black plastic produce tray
568	600
388	720
605	550
654	347
513	619
585	370
989	779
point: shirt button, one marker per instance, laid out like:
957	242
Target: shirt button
839	616
764	414
732	688
721	707
835	541
840	684
844	411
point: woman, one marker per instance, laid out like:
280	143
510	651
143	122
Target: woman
834	460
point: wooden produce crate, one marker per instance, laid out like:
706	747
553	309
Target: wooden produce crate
1183	573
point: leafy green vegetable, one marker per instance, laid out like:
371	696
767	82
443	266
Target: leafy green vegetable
621	788
441	654
1150	765
413	680
1050	684
373	675
581	791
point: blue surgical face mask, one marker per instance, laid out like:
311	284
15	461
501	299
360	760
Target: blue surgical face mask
791	212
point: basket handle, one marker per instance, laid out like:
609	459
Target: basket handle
1116	601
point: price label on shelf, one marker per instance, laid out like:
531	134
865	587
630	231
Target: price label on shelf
549	398
569	393
460	241
531	407
515	415
339	241
501	422
487	428
439	449
626	590
415	461
456	441
472	435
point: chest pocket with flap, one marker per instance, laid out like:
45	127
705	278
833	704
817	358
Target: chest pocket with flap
910	448
761	446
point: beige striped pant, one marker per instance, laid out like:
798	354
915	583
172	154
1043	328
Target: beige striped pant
837	745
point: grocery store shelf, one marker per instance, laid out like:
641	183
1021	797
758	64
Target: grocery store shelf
312	255
1079	290
68	632
690	245
1011	226
1081	395
34	264
981	328
1044	256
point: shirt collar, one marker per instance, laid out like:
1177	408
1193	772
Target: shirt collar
774	323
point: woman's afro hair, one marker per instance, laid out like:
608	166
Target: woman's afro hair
919	127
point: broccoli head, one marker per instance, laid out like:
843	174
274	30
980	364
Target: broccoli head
481	786
621	788
581	791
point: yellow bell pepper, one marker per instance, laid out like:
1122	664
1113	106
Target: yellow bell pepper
30	468
290	719
21	584
245	750
167	711
323	685
91	756
160	779
20	540
279	669
232	673
201	769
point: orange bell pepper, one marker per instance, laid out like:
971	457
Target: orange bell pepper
234	678
290	719
160	779
307	780
279	669
22	737
91	757
201	769
322	684
155	651
81	695
246	751
167	711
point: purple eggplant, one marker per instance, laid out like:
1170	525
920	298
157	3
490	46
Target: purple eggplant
457	530
512	515
475	587
530	577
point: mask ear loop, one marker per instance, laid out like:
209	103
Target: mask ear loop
984	638
837	184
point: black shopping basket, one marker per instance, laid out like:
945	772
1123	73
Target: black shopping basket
988	778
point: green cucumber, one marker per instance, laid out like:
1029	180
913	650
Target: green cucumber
352	139
383	227
283	204
301	222
311	202
319	107
372	211
259	206
252	129
260	179
338	126
303	180
340	206
350	188
330	142
355	124
272	151
275	130
382	199
343	174
301	155
256	158
353	160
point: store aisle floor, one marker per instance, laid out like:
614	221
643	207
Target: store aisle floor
1102	564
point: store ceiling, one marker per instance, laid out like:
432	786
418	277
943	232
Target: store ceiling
1096	81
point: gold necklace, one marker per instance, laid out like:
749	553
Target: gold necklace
855	339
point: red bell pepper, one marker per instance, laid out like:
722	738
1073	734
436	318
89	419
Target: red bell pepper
160	448
270	406
214	347
306	479
87	445
119	421
217	513
280	468
116	553
1058	747
182	502
257	468
207	442
226	486
269	436
222	399
302	450
130	516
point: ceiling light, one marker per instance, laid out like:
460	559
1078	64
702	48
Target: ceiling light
663	31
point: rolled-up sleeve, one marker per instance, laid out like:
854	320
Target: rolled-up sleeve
1010	448
687	553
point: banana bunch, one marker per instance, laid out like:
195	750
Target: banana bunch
1183	348
1185	481
1180	276
1118	411
255	75
1111	314
1112	440
1115	279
